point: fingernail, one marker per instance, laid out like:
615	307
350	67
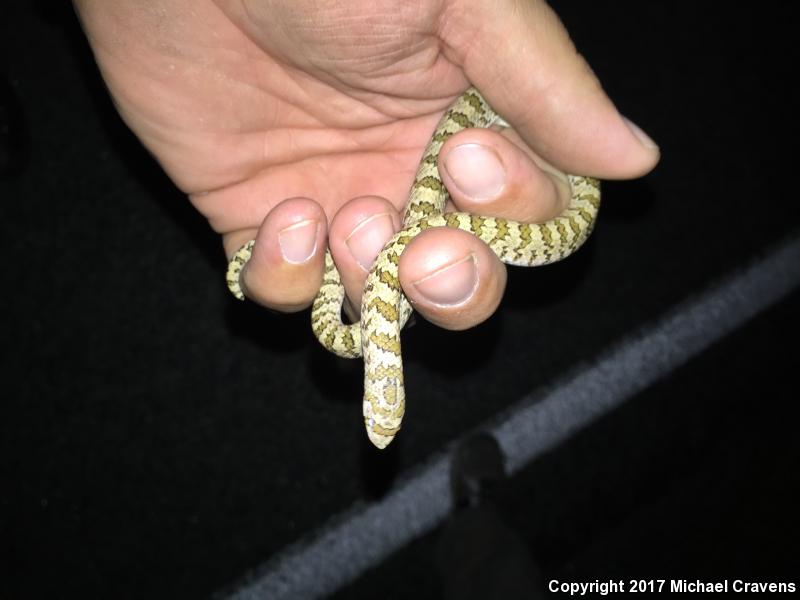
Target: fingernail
476	169
369	237
452	284
298	242
645	139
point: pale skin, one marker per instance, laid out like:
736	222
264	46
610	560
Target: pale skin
301	123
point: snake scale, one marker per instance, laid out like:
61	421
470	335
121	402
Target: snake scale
384	308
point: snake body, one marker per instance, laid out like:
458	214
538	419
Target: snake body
384	308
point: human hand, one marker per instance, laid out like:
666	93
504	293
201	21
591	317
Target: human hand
301	124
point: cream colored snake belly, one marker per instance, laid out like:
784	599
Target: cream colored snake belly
384	308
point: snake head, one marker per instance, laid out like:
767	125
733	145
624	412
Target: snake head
383	412
379	440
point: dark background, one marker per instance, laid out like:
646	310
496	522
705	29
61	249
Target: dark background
157	438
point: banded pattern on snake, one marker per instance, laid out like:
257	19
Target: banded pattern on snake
384	308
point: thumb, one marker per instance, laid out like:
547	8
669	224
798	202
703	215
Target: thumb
518	54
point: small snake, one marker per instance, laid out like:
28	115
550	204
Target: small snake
384	308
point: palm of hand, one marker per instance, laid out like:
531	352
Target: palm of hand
244	109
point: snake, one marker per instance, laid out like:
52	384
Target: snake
384	307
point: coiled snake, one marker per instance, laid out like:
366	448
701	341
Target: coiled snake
384	308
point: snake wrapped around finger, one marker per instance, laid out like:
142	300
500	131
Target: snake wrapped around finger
384	307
